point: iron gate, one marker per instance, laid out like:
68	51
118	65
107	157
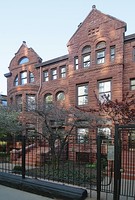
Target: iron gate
117	179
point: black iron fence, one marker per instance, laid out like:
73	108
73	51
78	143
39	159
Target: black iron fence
72	163
84	163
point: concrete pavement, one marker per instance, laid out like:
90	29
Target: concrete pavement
7	193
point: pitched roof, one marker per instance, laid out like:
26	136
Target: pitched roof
52	61
129	37
94	10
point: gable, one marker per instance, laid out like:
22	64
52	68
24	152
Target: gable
24	55
96	24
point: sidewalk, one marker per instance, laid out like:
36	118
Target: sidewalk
13	194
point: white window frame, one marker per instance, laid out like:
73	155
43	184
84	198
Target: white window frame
104	89
82	95
46	75
82	135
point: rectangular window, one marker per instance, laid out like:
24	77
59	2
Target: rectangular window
76	63
86	60
63	71
54	74
46	76
132	84
16	81
31	77
4	102
104	88
23	76
82	135
112	53
101	56
19	103
82	94
31	132
133	53
105	132
31	102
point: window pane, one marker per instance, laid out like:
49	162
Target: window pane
46	76
23	60
82	90
4	102
100	54
60	96
100	45
82	100
23	81
104	96
104	86
19	102
54	74
49	98
76	63
86	61
31	102
23	74
31	77
86	49
16	81
63	72
101	57
105	132
132	84
82	135
112	52
104	90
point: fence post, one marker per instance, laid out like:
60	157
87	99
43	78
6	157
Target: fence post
117	158
23	155
98	166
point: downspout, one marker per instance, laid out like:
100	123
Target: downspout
40	87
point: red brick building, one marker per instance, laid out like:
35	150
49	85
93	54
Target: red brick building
100	57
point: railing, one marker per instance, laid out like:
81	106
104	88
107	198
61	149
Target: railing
74	163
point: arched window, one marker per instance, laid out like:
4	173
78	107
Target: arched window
48	99
60	96
16	80
23	60
86	56
101	45
100	52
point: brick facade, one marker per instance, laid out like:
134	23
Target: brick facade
97	27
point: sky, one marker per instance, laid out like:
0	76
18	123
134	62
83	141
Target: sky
47	25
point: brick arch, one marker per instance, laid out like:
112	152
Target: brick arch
101	39
84	44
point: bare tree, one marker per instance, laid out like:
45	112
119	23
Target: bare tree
59	123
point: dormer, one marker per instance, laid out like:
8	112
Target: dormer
24	56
